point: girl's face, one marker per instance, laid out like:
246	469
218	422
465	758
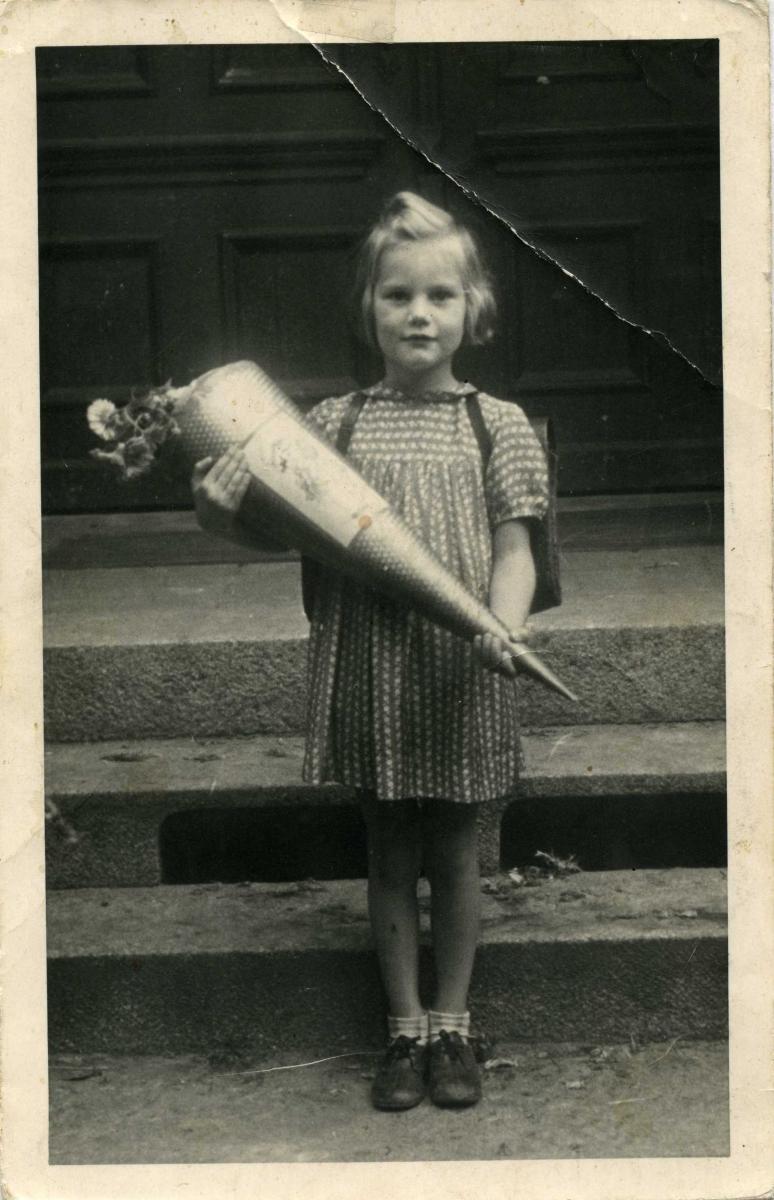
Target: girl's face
419	313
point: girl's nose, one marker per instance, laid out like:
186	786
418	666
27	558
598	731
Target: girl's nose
418	309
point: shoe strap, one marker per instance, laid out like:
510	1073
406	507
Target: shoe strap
452	1043
402	1046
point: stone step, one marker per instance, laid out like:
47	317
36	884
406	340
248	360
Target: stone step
219	649
117	796
602	957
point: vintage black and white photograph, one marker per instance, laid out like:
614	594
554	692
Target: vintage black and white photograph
332	836
299	881
382	478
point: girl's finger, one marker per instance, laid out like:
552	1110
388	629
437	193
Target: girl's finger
239	473
238	485
493	649
494	654
237	465
224	465
499	657
506	661
231	469
481	647
201	469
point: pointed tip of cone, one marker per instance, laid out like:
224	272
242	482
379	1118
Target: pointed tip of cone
529	662
559	687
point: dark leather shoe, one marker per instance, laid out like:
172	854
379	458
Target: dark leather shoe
455	1080
400	1077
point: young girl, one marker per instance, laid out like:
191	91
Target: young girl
424	725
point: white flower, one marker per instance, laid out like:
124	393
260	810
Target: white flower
98	415
180	395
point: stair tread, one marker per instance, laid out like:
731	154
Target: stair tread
674	586
125	539
260	918
632	758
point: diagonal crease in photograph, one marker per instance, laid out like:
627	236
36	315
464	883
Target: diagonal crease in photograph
382	470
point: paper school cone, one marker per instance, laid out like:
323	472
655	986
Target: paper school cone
304	494
313	498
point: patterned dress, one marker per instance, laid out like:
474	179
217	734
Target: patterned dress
398	706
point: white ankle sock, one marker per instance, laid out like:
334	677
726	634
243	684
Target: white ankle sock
451	1022
413	1027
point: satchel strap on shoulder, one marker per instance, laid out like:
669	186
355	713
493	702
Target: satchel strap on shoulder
472	404
349	420
478	424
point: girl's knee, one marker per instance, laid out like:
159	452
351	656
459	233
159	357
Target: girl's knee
452	843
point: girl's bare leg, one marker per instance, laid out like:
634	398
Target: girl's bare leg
394	855
452	843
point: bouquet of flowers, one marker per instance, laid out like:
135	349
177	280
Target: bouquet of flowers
135	432
313	498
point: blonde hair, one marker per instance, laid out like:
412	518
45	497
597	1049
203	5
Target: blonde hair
409	218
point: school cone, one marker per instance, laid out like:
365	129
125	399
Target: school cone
304	494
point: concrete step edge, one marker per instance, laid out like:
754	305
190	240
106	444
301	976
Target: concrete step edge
112	799
276	969
96	693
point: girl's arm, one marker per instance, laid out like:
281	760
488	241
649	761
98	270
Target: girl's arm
513	574
511	589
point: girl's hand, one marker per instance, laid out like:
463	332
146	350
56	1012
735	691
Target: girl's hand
218	490
497	654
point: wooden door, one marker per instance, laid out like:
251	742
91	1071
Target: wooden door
199	204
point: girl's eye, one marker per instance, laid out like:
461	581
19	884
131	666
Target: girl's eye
439	295
396	294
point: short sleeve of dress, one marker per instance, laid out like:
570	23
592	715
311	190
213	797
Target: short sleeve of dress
516	482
